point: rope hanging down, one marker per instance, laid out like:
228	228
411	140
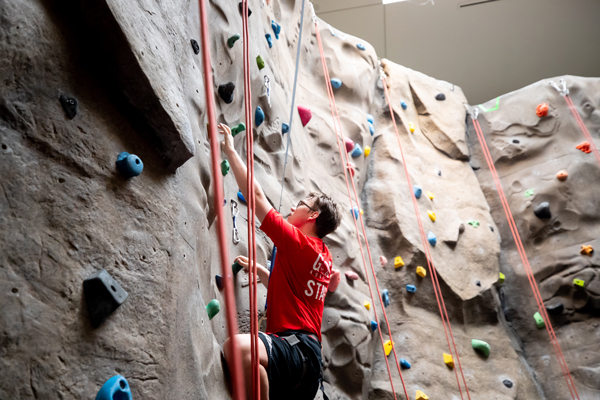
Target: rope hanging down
232	328
521	249
434	278
341	139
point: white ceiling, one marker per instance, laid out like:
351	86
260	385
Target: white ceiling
488	49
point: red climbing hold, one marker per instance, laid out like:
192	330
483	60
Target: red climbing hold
352	168
349	145
334	280
305	115
542	110
351	275
585	147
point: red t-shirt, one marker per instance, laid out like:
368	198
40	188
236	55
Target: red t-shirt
299	279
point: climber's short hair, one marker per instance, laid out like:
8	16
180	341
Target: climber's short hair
329	213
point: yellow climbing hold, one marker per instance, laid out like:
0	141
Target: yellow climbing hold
421	396
361	212
367	151
367	305
430	195
501	278
431	215
579	282
411	127
421	272
448	360
398	262
388	347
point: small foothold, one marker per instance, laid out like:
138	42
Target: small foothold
260	62
237	129
352	168
220	282
542	211
236	267
373	326
473	223
478	283
276	29
353	276
542	110
231	41
305	115
259	116
213	308
115	388
587	249
398	262
241	197
224	167
411	288
440	97
285	128
439	172
584	146
431	215
361	211
421	272
539	321
461	228
555	309
334	280
418	191
431	238
421	396
336	83
507	383
370	119
529	193
69	104
404	364
269	40
448	360
579	282
501	277
371	129
481	346
195	46
403	105
103	295
562	175
357	151
430	195
385	297
226	92
383	260
388	347
411	127
349	145
367	305
241	9
129	165
361	46
367	151
355	212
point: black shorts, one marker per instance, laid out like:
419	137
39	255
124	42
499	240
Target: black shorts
286	365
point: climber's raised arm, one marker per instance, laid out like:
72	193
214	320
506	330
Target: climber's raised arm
241	174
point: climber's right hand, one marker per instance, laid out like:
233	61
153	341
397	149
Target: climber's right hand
243	261
227	144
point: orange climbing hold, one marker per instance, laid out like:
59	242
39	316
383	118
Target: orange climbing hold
585	147
562	175
542	110
587	249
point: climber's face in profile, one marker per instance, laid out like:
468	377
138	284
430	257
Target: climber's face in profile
303	213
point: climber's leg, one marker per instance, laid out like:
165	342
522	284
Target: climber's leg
245	352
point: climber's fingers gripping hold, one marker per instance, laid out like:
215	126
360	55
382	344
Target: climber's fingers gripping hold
243	261
227	144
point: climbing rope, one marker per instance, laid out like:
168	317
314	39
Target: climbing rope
434	278
521	249
341	139
232	328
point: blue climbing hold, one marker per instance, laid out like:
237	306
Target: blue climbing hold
269	40
285	128
361	46
404	364
418	190
115	388
370	119
241	197
357	152
129	165
373	326
276	28
355	212
431	238
220	282
259	116
336	83
385	297
411	288
404	105
371	129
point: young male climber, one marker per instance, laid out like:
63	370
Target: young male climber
290	349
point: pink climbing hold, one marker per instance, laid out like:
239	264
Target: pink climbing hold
334	280
383	260
305	115
351	168
351	275
349	145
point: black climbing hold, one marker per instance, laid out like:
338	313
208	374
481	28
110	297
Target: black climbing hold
241	7
195	46
507	383
542	211
69	104
516	141
556	309
439	172
440	96
478	283
103	295
491	228
226	92
220	282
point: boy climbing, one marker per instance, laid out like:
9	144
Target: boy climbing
290	349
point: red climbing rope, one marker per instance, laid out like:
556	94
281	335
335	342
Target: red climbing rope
232	328
582	126
531	277
341	139
434	278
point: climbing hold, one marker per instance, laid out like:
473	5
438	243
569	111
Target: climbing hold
336	83
388	347
481	346
398	262
370	118
259	116
269	40
285	128
69	104
418	191
404	364
361	46
562	175
238	128
431	215
226	92
260	62
421	396
276	29
579	282
542	110
103	295
355	212
305	115
385	297
431	238
367	305
411	127
334	280
501	277
383	260
473	223
373	326
231	41
115	388
367	151
351	167
371	129
220	282
478	283
507	383
224	167
542	211
357	151
241	197
213	308
129	165
361	211
403	105
529	193
430	195
440	96
349	145
195	46
584	146
555	309
236	267
539	321
587	249
421	272
411	288
353	276
241	8
448	360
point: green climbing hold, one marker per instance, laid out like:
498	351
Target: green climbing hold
529	193
481	346
473	223
260	62
231	41
224	167
213	308
237	129
236	267
539	321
